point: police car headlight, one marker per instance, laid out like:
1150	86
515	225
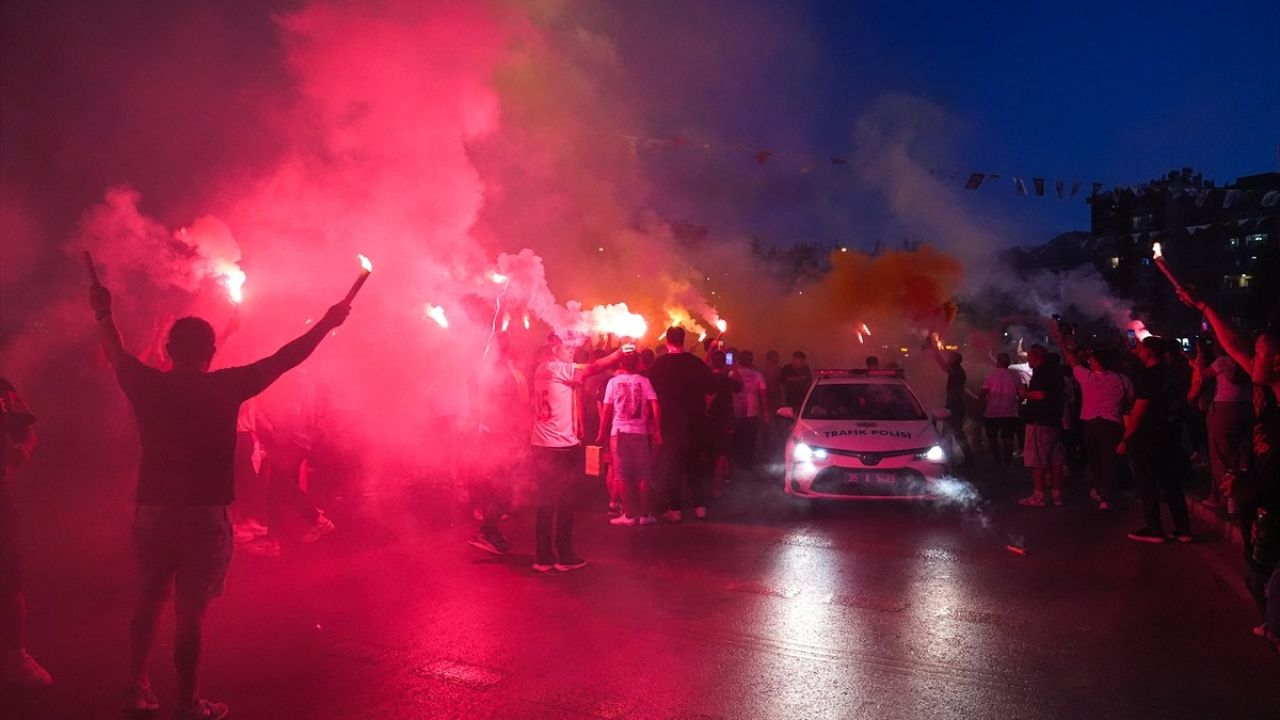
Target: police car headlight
803	453
934	454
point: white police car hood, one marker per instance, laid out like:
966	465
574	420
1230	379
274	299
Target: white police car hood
866	435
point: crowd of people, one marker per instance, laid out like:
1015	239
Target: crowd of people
669	428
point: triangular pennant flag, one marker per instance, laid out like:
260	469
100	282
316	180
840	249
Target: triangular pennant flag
839	161
975	180
1057	185
1075	188
1039	182
763	156
993	176
1019	187
1242	222
1096	187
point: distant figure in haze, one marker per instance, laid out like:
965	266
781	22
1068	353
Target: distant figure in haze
1000	410
750	410
1043	451
630	422
795	380
181	530
873	362
684	385
718	428
19	436
952	366
557	455
499	415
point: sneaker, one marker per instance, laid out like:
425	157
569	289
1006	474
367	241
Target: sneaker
263	547
648	520
624	520
571	564
241	534
1094	496
1032	500
673	516
543	567
1147	535
255	527
323	526
141	699
1104	505
480	541
1183	536
202	710
1057	498
22	670
700	512
615	510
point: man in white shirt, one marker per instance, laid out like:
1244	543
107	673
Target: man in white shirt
999	395
750	410
557	457
630	418
1105	398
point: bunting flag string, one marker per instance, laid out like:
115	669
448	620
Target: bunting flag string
1063	189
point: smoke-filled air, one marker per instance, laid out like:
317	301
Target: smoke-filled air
482	156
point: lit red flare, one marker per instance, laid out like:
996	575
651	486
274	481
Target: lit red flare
722	326
436	313
366	268
526	321
616	320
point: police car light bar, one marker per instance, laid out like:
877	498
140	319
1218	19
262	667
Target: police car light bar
861	372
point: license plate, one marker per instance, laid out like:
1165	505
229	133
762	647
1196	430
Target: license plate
876	478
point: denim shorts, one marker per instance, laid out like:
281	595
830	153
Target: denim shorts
1043	448
187	549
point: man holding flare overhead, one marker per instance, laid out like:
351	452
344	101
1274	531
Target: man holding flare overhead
181	532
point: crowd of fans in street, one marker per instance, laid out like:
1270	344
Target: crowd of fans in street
669	428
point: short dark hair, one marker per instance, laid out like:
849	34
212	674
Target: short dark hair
675	336
718	359
191	341
746	358
630	361
873	362
799	355
1003	360
1154	344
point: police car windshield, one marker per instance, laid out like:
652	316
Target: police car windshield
870	401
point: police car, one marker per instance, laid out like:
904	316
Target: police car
863	435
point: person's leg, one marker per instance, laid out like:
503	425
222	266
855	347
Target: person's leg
1175	497
540	460
992	427
154	547
628	451
1143	458
1218	451
569	468
1107	437
188	636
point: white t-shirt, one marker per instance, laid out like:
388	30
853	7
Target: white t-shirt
1225	371
1104	395
1001	385
746	402
630	395
555	415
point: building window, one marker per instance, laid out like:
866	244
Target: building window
1235	282
1256	239
1115	263
1233	243
1142	222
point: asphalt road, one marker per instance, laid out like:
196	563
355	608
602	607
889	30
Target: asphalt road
771	609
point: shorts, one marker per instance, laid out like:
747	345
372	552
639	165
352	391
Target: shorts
187	549
1042	448
634	458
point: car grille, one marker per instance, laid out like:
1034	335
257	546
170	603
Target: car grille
847	481
875	458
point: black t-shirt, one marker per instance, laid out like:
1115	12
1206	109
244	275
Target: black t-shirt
1156	385
721	408
682	383
1049	410
955	389
795	383
187	427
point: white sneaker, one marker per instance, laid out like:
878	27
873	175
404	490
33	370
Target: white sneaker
255	527
1057	498
1032	500
648	520
674	516
624	520
323	526
700	512
21	669
1094	496
141	699
241	534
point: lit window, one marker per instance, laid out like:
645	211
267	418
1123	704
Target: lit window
1115	263
1233	243
1246	281
1256	239
1243	280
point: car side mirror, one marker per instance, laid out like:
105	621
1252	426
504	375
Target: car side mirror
941	414
787	412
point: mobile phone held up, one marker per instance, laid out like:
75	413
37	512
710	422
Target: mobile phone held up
728	358
1133	338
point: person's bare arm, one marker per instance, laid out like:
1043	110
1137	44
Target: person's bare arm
598	365
656	419
108	335
1229	337
1131	422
